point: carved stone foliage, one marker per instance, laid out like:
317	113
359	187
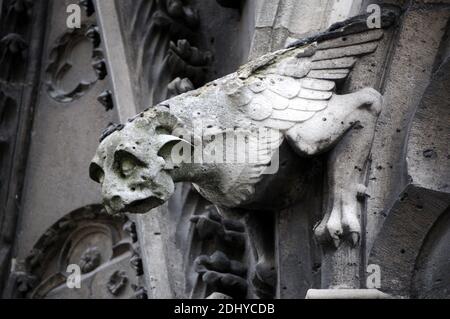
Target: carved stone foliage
89	238
163	33
90	259
80	45
8	111
13	52
15	17
20	38
117	282
179	86
221	274
106	99
220	255
88	5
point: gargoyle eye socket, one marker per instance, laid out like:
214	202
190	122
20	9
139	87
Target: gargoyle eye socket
96	173
126	162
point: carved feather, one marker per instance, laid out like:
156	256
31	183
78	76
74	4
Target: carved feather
290	86
280	90
261	148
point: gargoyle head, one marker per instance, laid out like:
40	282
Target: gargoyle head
132	166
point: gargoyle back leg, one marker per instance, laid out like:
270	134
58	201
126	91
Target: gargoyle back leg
356	115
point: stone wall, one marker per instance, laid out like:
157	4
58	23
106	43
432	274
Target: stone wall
69	84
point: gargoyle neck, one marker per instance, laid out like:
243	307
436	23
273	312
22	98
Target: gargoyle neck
193	173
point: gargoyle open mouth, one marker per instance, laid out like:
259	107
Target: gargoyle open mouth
143	205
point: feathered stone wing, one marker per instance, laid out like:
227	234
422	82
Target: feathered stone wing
290	86
283	88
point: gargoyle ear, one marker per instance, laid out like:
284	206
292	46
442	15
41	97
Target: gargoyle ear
174	150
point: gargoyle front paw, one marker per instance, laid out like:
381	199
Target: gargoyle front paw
222	274
341	224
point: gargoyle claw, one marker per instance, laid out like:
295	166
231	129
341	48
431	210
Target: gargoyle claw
340	224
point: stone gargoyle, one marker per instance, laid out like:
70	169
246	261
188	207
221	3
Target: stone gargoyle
286	106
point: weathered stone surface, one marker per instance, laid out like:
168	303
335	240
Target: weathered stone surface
346	294
428	154
404	231
403	86
238	93
101	249
256	238
279	22
152	245
63	135
139	143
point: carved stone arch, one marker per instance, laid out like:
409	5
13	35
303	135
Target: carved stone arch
410	247
98	243
66	54
430	279
429	163
429	136
401	240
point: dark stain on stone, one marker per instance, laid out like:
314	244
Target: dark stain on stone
429	153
